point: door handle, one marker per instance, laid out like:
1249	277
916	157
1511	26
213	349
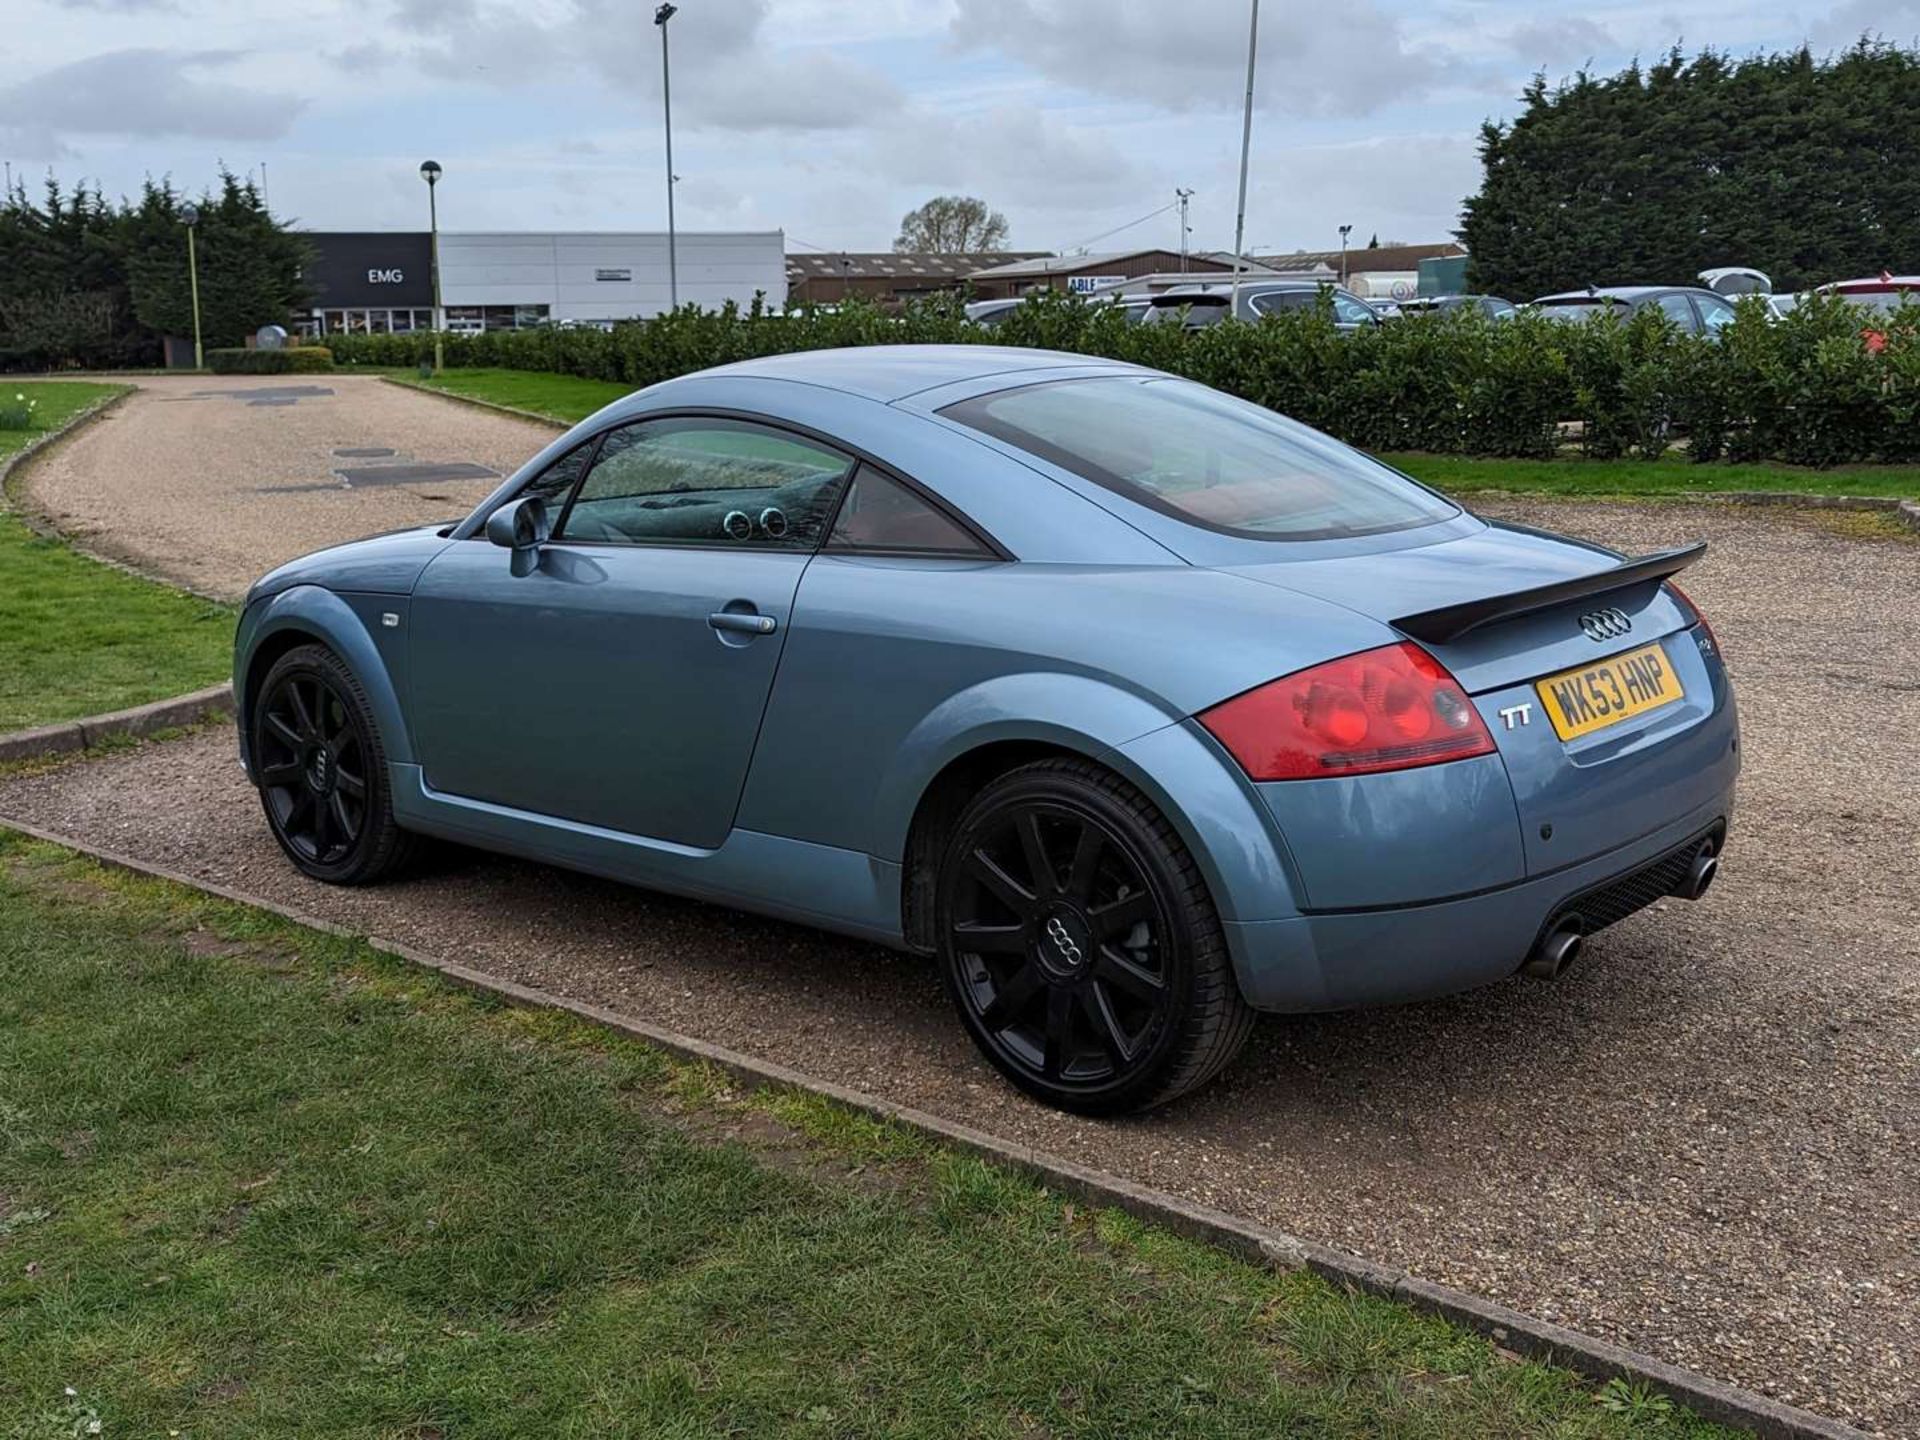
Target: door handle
744	623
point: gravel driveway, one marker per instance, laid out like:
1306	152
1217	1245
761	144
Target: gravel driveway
1700	1143
209	480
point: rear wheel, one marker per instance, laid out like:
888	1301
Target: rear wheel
322	772
1079	943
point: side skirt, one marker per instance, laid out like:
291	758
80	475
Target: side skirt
841	890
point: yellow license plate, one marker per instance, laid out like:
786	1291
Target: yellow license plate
1579	702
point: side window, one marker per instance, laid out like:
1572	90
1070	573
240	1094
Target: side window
1680	310
556	482
695	480
1349	311
882	514
1274	301
1715	314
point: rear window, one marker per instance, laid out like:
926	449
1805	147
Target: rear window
1584	308
1885	301
1205	457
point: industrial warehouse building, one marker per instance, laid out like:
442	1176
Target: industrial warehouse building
381	282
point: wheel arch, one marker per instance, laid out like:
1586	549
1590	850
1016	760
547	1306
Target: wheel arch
1224	825
308	614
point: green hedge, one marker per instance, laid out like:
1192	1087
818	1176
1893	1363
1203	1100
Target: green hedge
1806	389
294	360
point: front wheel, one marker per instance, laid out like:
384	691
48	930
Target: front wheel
1080	945
322	772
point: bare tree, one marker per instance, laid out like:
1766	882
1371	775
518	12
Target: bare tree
949	223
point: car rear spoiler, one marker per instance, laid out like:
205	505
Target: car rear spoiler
1450	622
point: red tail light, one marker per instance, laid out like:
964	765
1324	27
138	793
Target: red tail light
1696	616
1388	709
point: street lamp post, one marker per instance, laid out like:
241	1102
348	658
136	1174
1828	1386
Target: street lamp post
660	18
190	216
1345	230
430	172
1246	144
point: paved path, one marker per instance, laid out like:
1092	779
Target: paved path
1700	1144
212	479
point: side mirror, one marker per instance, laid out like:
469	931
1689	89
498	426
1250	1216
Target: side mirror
520	525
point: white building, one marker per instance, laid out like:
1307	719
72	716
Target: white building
382	282
592	277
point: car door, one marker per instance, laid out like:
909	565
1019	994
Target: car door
620	679
1679	309
1715	314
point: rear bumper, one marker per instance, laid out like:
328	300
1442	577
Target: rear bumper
1342	960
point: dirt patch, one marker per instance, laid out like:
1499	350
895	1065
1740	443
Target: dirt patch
211	488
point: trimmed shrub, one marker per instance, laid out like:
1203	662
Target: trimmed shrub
294	360
1808	388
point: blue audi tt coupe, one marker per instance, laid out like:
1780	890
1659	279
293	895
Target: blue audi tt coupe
1137	707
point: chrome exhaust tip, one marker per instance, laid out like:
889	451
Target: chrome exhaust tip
1553	955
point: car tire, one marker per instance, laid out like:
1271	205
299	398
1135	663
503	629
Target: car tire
1079	943
321	770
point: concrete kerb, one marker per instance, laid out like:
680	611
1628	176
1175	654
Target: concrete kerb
558	426
92	731
1592	1358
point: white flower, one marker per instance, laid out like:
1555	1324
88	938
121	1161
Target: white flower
71	1391
93	1427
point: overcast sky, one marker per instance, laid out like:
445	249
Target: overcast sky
830	118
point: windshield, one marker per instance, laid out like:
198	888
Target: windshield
1205	457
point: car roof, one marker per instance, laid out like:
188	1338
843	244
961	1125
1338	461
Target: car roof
1873	285
1625	292
892	372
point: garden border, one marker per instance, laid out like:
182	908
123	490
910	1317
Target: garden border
1585	1355
1904	512
90	732
15	500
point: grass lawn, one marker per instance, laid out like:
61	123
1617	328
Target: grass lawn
1462	474
77	637
255	1180
559	397
564	397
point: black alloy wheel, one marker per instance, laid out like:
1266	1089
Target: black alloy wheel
321	770
1080	945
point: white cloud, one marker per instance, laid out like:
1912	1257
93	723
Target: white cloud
829	118
1347	59
1550	40
726	78
147	93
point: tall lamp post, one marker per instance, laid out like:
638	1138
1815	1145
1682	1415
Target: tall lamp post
1345	230
660	18
190	217
430	172
1246	144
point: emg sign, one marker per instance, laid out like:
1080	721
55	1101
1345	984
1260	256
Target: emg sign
395	276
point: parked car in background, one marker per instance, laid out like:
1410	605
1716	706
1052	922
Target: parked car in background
1735	280
1135	707
991	312
1884	293
1208	303
1697	311
1492	306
